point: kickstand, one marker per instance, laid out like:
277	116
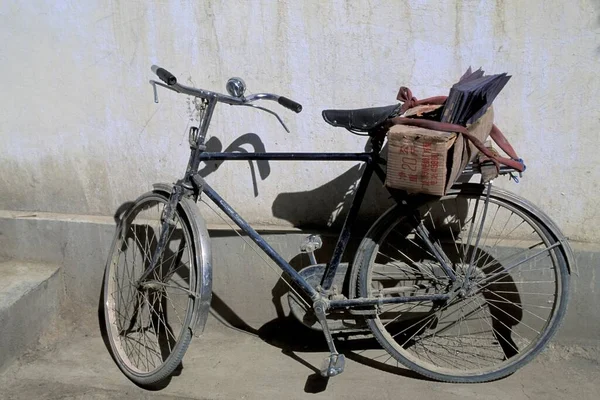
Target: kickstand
334	364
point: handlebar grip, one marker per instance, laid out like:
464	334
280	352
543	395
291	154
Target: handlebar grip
164	75
290	104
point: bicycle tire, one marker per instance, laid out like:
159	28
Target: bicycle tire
441	368
153	307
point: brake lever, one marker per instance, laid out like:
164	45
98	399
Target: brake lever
270	112
155	83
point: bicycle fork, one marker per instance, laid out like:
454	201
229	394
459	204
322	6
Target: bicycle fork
166	222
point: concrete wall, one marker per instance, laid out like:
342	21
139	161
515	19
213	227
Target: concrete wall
80	134
246	293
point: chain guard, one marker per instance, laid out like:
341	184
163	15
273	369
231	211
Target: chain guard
338	320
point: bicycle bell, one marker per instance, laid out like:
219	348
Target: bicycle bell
236	87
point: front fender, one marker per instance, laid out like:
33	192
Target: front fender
202	254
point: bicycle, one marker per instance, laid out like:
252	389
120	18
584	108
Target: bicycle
468	287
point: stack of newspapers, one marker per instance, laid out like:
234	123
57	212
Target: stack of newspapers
471	96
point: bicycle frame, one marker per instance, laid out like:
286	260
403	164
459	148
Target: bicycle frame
371	166
344	236
192	181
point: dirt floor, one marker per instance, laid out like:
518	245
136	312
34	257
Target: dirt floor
279	361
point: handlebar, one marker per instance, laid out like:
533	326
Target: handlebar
171	83
290	104
164	75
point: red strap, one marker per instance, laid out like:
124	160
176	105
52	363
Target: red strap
498	137
405	95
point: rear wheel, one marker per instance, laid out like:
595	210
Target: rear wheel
494	322
149	325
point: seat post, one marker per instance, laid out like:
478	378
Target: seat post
377	136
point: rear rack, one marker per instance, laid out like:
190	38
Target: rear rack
475	168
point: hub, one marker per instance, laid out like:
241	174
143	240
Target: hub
152	285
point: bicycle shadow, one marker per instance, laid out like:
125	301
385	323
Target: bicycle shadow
254	141
326	205
294	339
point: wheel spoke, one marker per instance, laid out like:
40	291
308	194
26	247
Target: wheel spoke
429	273
506	269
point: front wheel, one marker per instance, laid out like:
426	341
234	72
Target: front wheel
508	299
149	325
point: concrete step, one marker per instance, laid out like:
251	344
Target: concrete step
29	304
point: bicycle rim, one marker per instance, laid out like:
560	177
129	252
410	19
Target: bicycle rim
513	306
149	326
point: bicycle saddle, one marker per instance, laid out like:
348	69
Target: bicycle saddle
363	119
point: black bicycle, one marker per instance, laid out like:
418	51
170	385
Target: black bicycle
468	287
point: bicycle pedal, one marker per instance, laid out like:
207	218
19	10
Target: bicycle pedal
333	365
309	245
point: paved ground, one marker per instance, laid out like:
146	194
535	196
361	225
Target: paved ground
230	364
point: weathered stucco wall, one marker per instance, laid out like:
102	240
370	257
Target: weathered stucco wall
80	132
